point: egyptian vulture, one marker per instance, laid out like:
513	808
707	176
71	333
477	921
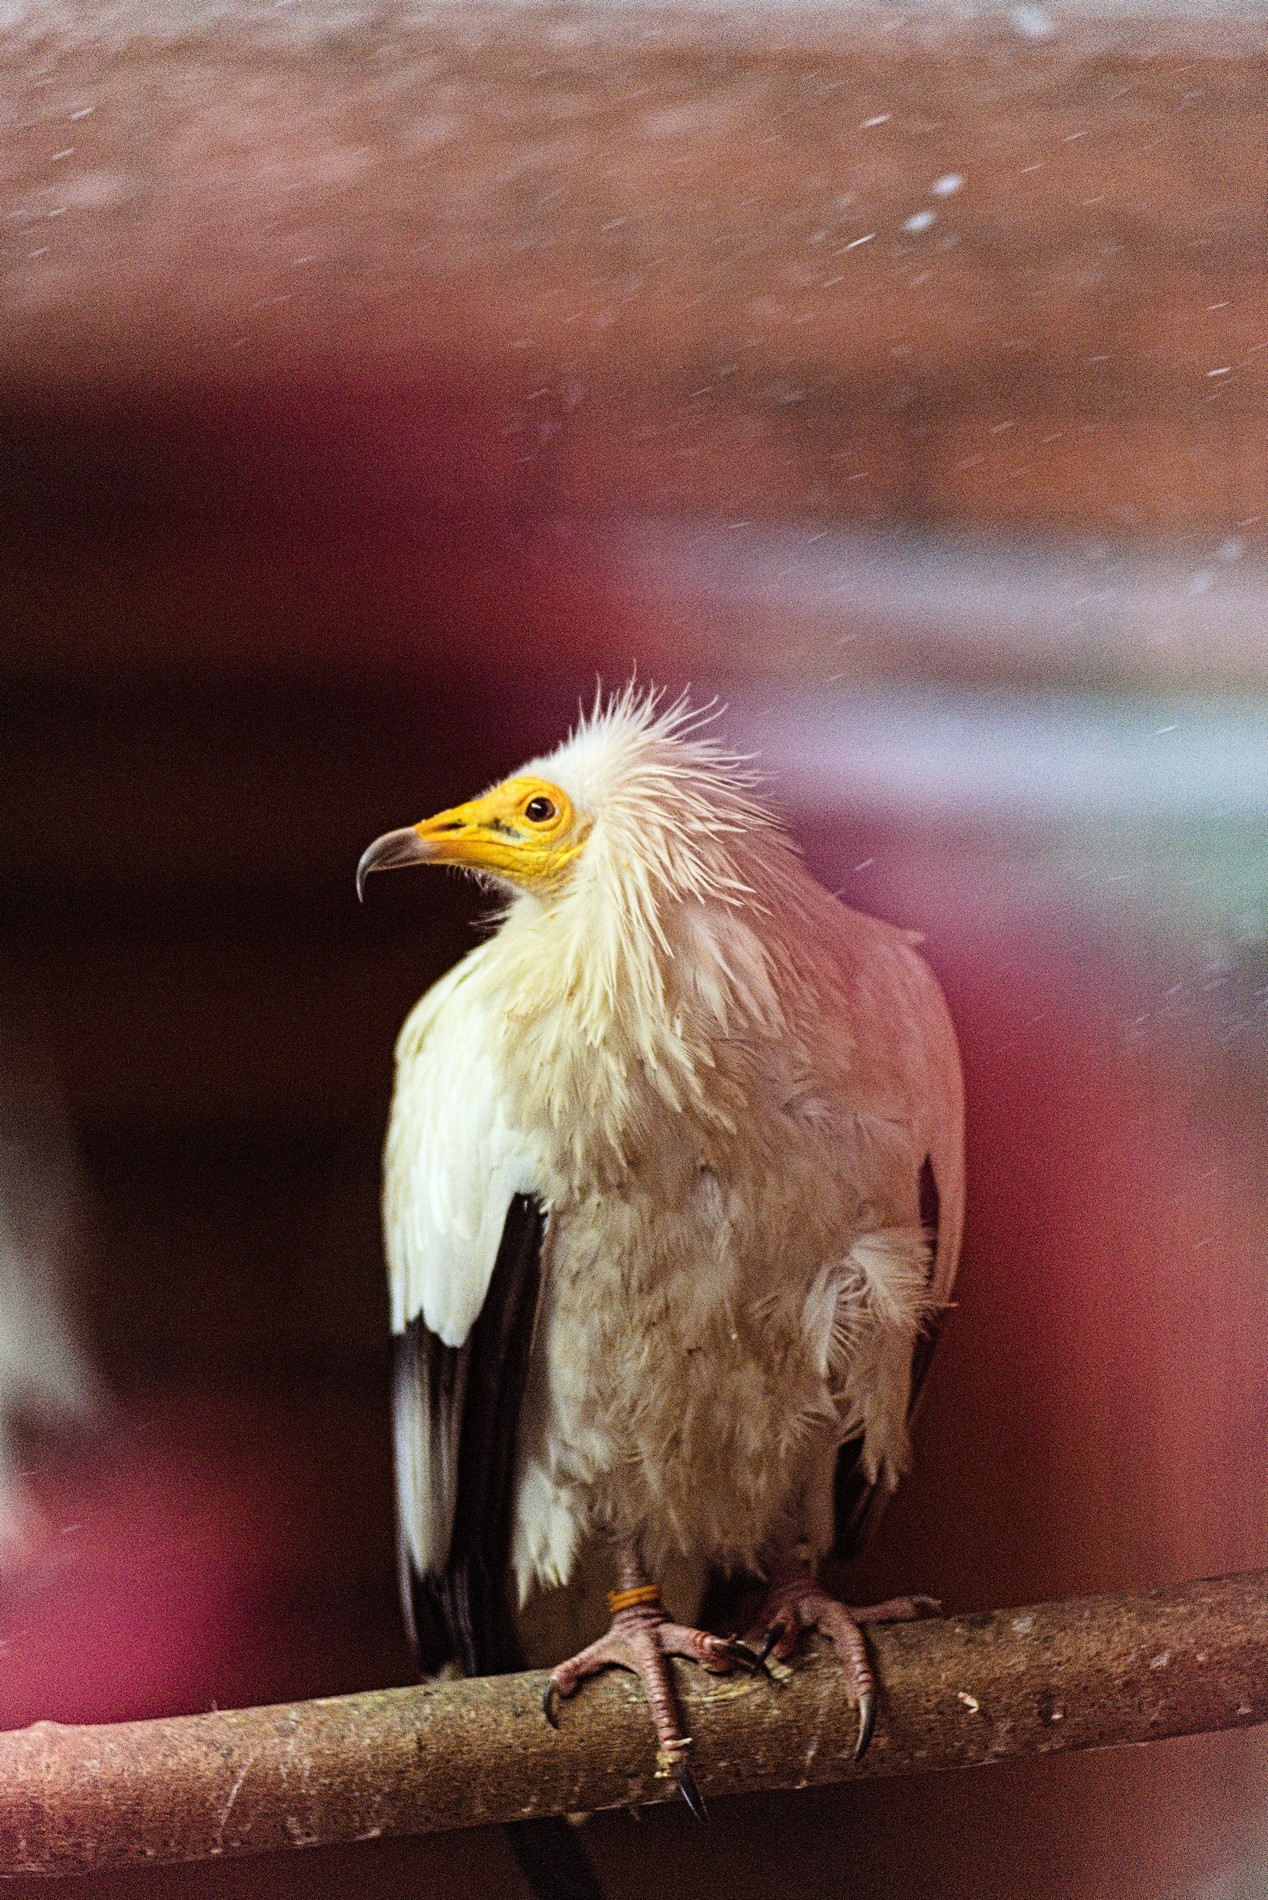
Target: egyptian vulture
673	1196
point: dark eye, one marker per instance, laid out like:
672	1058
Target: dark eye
539	811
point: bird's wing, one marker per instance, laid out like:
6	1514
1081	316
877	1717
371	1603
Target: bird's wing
463	1229
859	1499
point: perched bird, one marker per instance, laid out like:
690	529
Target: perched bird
673	1197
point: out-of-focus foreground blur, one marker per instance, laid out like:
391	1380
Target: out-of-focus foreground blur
370	381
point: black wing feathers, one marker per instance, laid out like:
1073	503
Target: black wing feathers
475	1393
427	1376
927	1339
859	1501
465	1610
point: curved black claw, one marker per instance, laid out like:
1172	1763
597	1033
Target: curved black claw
867	1722
738	1652
687	1787
775	1634
550	1703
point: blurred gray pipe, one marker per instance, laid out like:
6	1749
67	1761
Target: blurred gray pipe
45	1376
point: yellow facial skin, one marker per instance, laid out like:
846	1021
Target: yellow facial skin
524	830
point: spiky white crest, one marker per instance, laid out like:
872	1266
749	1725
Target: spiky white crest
669	804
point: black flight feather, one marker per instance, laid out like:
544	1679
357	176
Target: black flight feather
464	1611
858	1499
475	1392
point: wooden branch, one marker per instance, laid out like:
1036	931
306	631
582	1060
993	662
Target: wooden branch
1092	1672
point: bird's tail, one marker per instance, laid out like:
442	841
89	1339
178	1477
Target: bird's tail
553	1860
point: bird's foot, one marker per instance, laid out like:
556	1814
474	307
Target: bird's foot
642	1638
797	1603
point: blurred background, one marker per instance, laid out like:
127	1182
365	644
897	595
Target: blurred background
369	385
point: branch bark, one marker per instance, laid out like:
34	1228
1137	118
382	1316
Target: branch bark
1092	1672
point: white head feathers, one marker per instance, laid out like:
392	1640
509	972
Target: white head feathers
666	935
674	812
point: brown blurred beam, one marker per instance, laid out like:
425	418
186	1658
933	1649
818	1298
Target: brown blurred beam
677	244
1094	1672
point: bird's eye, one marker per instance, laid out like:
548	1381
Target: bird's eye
539	811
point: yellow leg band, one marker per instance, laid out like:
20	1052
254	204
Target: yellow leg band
627	1599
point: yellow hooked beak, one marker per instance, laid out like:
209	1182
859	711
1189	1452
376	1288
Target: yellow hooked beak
524	831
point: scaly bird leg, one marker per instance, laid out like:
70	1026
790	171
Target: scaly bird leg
795	1603
641	1639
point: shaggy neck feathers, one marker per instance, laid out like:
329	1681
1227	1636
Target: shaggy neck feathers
649	950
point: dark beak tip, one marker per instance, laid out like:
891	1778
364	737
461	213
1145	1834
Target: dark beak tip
390	853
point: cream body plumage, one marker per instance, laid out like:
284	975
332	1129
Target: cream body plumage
724	1092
